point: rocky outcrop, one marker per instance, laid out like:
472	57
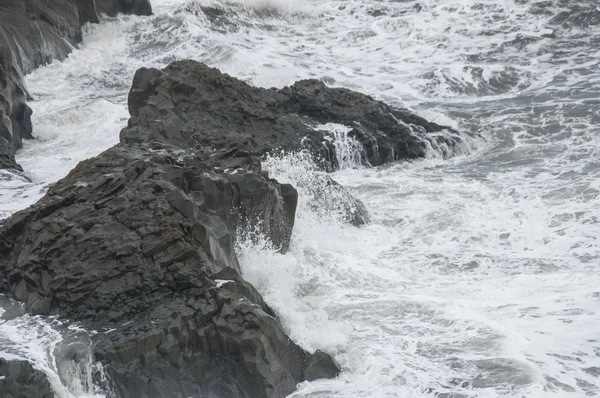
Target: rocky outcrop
194	106
139	242
114	7
35	33
140	239
18	379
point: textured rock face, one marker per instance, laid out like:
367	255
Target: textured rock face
138	242
194	106
141	240
34	33
18	379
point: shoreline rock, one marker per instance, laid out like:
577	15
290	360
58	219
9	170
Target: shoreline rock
18	379
115	7
34	33
194	106
139	241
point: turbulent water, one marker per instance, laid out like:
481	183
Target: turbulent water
478	276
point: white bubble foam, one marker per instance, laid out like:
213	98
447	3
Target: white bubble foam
478	274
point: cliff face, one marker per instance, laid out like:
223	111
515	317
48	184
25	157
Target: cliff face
34	33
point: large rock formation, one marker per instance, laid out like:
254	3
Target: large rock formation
141	240
194	106
18	379
138	242
34	33
114	7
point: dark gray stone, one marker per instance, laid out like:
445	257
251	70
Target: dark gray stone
351	209
18	379
193	106
139	239
317	365
114	7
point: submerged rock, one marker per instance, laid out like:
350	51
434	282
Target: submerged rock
194	106
141	240
18	379
35	33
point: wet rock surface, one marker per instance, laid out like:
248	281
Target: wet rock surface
352	210
138	242
140	239
114	7
194	106
18	379
35	33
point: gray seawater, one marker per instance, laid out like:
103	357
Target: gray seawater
479	275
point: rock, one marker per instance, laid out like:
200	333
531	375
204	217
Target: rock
35	33
376	12
15	120
15	115
194	106
351	209
18	379
114	7
141	239
319	364
327	199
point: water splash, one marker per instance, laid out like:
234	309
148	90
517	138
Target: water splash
60	351
348	151
319	194
478	275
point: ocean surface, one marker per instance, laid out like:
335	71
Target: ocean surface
479	276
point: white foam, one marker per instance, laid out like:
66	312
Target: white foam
480	269
36	340
348	150
221	282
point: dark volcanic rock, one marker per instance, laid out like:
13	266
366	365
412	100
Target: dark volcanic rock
35	33
327	199
18	379
15	120
324	197
141	240
194	106
114	7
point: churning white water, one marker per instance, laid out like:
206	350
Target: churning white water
478	276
